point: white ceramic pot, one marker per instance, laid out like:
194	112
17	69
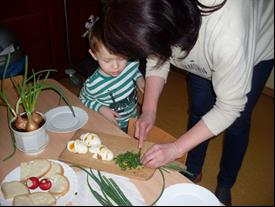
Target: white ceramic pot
31	142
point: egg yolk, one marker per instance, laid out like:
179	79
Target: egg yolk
71	146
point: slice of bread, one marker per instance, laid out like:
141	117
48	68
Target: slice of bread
42	199
34	168
56	168
22	200
60	185
35	199
13	188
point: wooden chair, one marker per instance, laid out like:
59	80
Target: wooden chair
156	135
7	83
139	99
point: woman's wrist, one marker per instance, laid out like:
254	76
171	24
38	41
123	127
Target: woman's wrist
193	137
149	111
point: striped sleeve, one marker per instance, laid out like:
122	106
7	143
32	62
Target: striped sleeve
135	67
87	97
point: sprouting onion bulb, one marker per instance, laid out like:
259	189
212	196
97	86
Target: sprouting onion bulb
31	125
37	118
21	123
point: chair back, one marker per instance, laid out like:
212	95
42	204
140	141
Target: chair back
155	135
140	96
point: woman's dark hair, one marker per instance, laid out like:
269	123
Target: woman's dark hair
139	28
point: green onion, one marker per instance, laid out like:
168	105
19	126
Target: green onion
163	187
98	197
128	161
12	140
177	167
109	189
120	192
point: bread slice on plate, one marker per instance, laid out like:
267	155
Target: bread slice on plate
42	199
22	200
35	199
56	168
60	185
13	188
34	168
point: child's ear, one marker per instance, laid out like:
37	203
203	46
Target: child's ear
92	54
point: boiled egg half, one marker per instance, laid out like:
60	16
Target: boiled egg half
90	139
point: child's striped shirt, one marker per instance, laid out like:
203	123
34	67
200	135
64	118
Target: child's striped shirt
118	93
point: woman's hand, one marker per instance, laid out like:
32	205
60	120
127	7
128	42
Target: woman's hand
143	125
160	154
109	114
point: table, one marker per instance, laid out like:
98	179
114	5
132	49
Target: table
48	99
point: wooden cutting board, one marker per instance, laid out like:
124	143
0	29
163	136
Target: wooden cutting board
117	145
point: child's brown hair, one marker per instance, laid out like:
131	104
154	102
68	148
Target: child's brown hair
96	36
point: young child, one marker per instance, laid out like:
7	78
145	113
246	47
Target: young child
112	89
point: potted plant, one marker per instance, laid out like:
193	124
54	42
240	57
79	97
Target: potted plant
28	125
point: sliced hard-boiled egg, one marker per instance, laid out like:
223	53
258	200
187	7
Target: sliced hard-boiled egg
105	153
94	149
95	156
71	146
81	147
102	148
90	139
77	146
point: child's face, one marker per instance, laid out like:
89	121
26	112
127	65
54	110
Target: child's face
109	63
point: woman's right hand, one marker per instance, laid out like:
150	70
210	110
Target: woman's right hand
160	154
143	125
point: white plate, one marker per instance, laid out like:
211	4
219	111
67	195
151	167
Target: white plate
61	119
14	175
187	194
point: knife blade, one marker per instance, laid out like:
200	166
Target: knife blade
139	153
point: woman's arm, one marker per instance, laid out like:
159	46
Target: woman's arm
156	76
153	88
159	155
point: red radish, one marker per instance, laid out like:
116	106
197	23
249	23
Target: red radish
45	184
32	182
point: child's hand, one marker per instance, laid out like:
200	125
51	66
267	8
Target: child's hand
109	114
141	84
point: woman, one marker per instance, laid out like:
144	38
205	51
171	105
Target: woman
227	48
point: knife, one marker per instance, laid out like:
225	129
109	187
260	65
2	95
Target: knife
139	153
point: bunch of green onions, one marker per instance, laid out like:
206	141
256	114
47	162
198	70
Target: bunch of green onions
111	193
